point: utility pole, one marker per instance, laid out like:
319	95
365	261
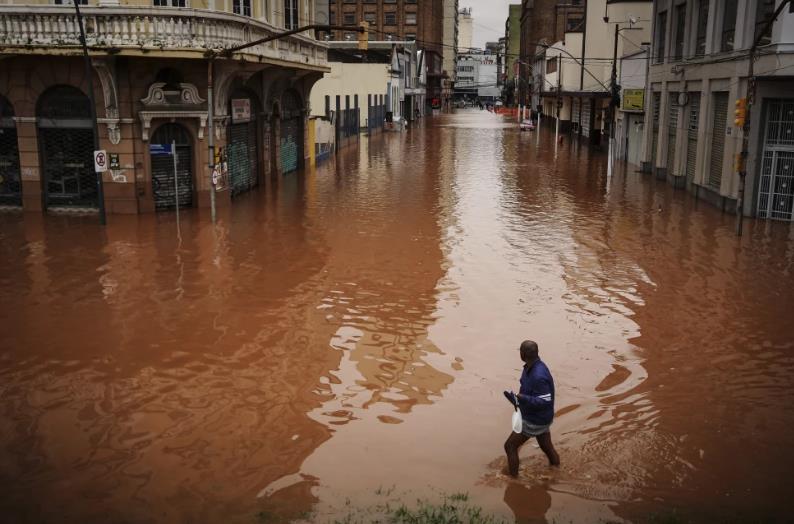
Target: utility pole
741	160
559	101
90	79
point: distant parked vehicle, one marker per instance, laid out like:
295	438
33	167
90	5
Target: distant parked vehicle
526	125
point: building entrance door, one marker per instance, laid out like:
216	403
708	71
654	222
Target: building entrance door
776	189
66	147
10	183
163	187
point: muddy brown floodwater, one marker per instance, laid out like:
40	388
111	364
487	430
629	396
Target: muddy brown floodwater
343	336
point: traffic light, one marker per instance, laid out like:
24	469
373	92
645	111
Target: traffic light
363	36
741	112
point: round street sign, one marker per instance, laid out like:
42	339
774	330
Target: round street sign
100	161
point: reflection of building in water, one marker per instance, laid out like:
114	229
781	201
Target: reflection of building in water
184	375
382	324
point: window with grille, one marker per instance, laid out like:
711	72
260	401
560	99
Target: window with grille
702	27
390	18
410	18
410	37
661	36
156	3
370	17
242	7
291	14
728	26
349	18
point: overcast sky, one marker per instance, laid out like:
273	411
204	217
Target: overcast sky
489	19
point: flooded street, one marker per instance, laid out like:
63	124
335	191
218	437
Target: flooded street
342	338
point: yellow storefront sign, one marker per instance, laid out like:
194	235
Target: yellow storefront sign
633	99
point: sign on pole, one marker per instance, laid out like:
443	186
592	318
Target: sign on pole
100	161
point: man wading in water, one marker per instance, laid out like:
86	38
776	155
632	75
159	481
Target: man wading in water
535	399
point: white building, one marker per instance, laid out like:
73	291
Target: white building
465	30
477	76
699	69
388	73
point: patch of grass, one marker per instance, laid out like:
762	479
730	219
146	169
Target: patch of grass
453	510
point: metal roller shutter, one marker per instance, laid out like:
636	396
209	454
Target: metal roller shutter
657	104
10	183
719	123
242	157
672	131
692	136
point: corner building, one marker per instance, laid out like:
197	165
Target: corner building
149	69
699	68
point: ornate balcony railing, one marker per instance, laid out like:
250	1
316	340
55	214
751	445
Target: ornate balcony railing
41	29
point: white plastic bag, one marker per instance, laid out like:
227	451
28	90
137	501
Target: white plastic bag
518	423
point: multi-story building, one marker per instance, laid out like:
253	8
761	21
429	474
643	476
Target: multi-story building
465	30
577	86
543	22
699	68
450	50
512	52
477	77
149	67
420	20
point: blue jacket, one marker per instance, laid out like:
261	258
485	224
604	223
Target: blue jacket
537	394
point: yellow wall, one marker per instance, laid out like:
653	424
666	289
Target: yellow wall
350	79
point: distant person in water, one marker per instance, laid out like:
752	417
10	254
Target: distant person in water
535	399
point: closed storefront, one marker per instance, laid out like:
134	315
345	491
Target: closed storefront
291	143
575	114
693	122
586	116
718	126
243	145
672	131
657	104
66	146
10	183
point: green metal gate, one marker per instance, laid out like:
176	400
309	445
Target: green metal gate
291	143
66	148
163	188
10	183
242	157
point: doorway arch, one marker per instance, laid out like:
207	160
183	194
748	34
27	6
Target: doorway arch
165	192
243	142
10	181
66	148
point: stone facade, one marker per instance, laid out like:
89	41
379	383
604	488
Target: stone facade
148	71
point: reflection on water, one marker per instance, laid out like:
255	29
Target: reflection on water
352	328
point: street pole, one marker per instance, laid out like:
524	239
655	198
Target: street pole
612	102
90	79
176	182
750	96
211	137
559	101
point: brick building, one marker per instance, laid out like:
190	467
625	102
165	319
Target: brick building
544	21
422	20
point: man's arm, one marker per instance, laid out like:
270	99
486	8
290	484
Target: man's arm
539	397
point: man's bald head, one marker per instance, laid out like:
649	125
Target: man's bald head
529	351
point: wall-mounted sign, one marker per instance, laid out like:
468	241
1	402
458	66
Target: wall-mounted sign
633	99
241	110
